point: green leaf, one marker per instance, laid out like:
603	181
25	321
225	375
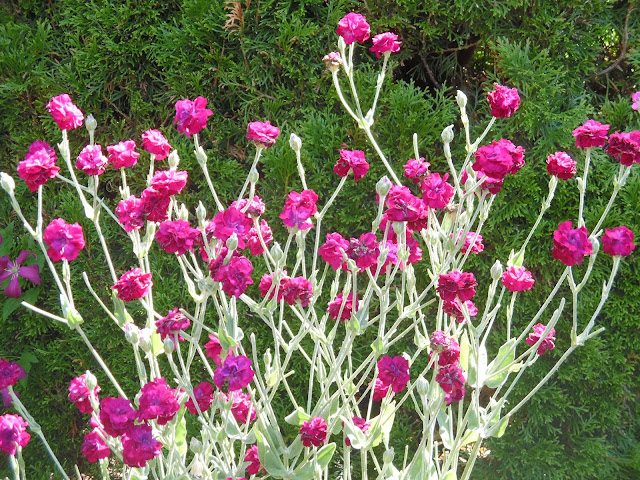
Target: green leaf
181	433
465	346
450	475
478	367
444	429
469	437
7	240
270	461
157	347
505	356
325	454
297	417
305	471
381	425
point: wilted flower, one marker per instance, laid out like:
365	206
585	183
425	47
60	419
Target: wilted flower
333	61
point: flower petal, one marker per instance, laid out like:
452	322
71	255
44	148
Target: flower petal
31	273
24	254
13	289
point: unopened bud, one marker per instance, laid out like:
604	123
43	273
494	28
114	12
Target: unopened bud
254	176
447	134
422	386
595	244
201	212
295	142
144	336
174	160
232	242
197	469
387	456
384	185
461	98
90	123
276	252
195	445
267	358
90	380
7	183
131	333
201	156
168	345
183	213
496	271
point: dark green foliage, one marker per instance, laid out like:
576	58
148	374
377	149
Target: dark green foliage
128	62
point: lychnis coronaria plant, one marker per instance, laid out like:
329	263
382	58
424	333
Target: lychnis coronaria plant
341	426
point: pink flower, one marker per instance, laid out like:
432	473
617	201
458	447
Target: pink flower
364	251
139	446
504	101
351	161
241	408
591	134
80	394
436	192
253	240
11	270
203	393
416	170
298	209
403	206
10	373
39	165
263	135
571	245
297	289
65	113
131	213
456	284
385	42
625	147
169	182
13	433
255	209
313	432
498	159
133	285
517	279
234	374
333	61
380	390
91	160
353	27
394	372
171	324
477	246
362	424
191	116
176	236
65	240
157	401
214	349
154	142
618	241
154	205
254	462
94	447
266	283
334	307
123	154
235	276
547	343
116	415
330	250
447	348
451	379
635	98
454	309
232	221
561	165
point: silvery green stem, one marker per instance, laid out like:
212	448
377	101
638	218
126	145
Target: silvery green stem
105	249
301	171
39	220
618	183
354	91
66	155
510	314
484	133
152	161
367	130
15	467
336	83
582	186
44	313
99	201
205	170
256	159
606	289
553	183
124	192
379	83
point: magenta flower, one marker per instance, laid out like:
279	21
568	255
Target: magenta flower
362	424
255	209
353	27
263	135
13	270
364	250
235	276
266	282
158	401
436	192
330	250
504	101
80	394
417	170
91	160
456	284
234	374
176	236
403	206
385	42
232	221
625	147
241	407
547	343
94	447
313	432
133	285
571	245
154	205
618	241
298	209
64	112
65	240
203	393
191	116
635	98
334	307
453	309
131	213
123	154
169	182
380	390
447	348
13	433
297	289
10	373
253	240
351	161
498	159
39	165
477	246
155	143
214	349
517	279
591	134
171	324
451	379
561	165
394	372
116	415
251	457
139	446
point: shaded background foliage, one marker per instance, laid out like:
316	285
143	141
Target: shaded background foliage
127	63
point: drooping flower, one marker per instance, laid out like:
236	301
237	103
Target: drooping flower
253	239
456	284
10	373
13	270
131	213
241	408
416	170
203	393
571	245
91	160
65	240
154	142
362	424
94	447
171	324
157	402
255	209
353	27
591	134
517	279
364	250
447	348
234	374
235	276
625	147
39	165
13	433
116	415
436	192
385	42
334	307
454	309
214	349
230	221
298	209
133	285
313	432
380	390
169	182
547	343
123	154
561	165
451	379
333	61
254	461
80	394
191	115
330	250
618	241
394	372
504	101
155	205
139	446
176	236
66	115
263	135
351	161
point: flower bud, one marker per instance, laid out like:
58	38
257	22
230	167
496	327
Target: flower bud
90	123
387	456
422	386
267	358
383	186
131	333
595	243
174	160
461	98
144	336
197	468
195	445
232	242
168	345
183	213
90	380
447	134
276	252
7	183
333	61
254	176
201	212
201	156
496	271
295	142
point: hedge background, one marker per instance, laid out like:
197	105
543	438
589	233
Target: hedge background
127	63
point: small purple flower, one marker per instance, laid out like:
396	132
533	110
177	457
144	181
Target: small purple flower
13	270
394	372
234	374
